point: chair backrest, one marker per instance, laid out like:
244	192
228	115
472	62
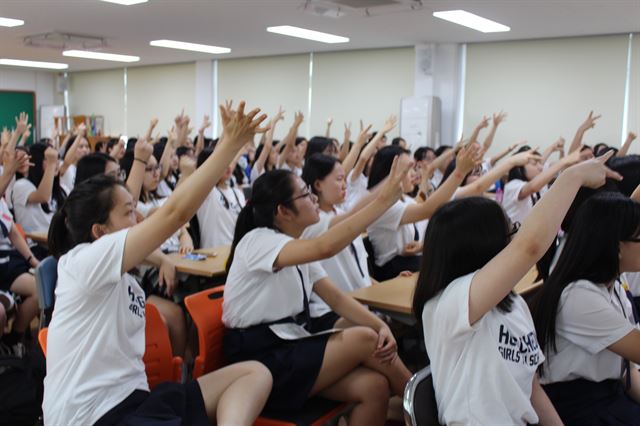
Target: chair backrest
420	407
46	275
158	356
42	339
205	308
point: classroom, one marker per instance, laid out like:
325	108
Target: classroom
310	212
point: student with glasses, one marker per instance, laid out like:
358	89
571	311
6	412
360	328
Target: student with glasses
272	273
472	321
218	214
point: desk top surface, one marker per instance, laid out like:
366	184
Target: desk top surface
212	266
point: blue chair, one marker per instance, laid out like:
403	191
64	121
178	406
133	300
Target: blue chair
46	279
419	402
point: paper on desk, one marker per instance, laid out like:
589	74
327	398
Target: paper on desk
293	331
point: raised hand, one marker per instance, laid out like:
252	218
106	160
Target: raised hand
392	189
279	115
559	144
594	173
81	130
50	157
590	122
347	132
298	118
13	160
483	123
499	118
241	128
206	122
364	134
468	157
5	136
143	150
22	123
389	124
523	158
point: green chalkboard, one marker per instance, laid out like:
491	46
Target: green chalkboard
12	103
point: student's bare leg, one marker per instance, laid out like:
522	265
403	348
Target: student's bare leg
235	395
25	286
173	317
368	389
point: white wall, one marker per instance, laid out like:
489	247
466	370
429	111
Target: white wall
40	82
99	93
547	87
633	124
367	84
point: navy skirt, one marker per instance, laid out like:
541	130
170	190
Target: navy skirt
398	264
294	364
586	403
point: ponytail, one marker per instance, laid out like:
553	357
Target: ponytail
59	240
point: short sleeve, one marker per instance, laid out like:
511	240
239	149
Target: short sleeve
512	190
261	248
316	272
452	309
99	264
21	191
391	218
587	319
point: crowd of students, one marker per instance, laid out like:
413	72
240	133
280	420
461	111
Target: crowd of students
468	224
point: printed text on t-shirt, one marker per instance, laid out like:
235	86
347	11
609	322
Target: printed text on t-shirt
137	304
521	350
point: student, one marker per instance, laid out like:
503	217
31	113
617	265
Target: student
218	214
320	145
585	321
96	164
395	236
526	184
36	193
479	335
348	269
95	372
271	275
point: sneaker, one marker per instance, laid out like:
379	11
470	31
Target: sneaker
7	301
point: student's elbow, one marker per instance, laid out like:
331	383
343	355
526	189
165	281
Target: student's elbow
326	248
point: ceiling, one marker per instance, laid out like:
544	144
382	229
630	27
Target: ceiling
240	25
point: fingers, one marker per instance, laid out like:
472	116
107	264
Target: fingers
605	157
612	174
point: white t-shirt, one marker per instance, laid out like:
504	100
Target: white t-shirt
517	210
164	190
30	215
67	180
437	178
388	237
255	174
96	336
356	189
255	293
172	244
590	318
217	216
297	170
6	223
633	281
347	273
482	373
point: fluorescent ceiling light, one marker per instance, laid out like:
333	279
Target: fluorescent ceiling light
88	54
125	2
307	34
183	45
467	19
33	64
10	22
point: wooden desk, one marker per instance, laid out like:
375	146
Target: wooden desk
210	267
396	295
38	237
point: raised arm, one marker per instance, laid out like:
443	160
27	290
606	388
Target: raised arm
22	125
499	156
12	160
484	123
206	122
545	176
141	154
43	193
70	155
497	119
346	143
498	277
589	123
327	133
467	159
337	237
183	203
626	145
289	140
350	161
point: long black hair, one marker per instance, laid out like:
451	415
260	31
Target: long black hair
270	190
591	252
382	162
519	172
91	165
317	145
89	203
317	167
462	236
36	172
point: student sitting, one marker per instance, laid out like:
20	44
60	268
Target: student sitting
95	372
97	164
395	236
472	321
271	276
585	321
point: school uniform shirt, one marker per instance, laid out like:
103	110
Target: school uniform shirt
295	169
6	222
172	244
217	216
388	237
632	279
482	373
96	336
30	216
356	189
257	293
437	178
590	318
255	174
164	190
516	209
68	179
347	270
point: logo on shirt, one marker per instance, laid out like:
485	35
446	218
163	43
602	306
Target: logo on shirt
518	349
137	304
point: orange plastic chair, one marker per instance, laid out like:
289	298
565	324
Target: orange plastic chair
42	339
159	362
205	309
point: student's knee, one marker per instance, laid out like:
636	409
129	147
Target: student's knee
259	370
376	388
362	336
